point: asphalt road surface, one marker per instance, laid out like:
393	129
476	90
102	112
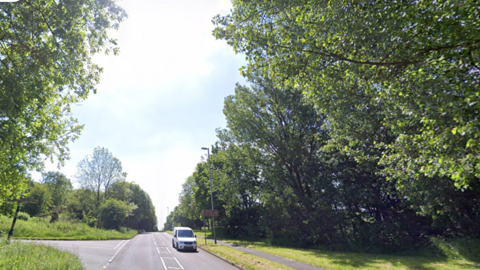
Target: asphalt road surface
145	251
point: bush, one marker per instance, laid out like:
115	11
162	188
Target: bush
90	220
23	216
41	228
113	213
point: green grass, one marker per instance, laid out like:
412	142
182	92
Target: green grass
41	228
19	256
354	260
242	259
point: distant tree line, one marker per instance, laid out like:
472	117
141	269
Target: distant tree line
359	128
103	200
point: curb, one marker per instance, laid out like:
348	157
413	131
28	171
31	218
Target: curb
237	266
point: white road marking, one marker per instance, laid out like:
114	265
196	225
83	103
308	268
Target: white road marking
162	250
116	254
164	266
154	240
119	244
178	262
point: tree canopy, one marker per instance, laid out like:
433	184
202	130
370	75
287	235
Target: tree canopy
359	126
415	64
99	171
46	50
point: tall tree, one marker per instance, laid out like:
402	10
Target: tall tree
241	187
59	186
397	81
416	63
188	205
143	217
289	132
46	49
99	171
289	136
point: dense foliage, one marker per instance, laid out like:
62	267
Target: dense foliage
46	49
414	64
359	128
127	205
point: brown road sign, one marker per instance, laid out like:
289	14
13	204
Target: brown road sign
210	213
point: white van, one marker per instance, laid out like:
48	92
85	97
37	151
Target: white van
184	239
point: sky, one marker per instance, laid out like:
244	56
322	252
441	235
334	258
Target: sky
161	99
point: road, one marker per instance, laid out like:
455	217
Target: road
144	251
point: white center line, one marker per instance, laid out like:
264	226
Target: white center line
164	266
178	262
158	250
115	254
119	244
154	240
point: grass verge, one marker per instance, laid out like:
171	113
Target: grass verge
461	254
18	255
353	260
242	259
41	228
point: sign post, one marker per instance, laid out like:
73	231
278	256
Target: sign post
19	202
210	213
205	232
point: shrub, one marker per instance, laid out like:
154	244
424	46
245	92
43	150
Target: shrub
23	216
113	213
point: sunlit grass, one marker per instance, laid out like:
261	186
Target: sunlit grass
41	228
242	259
204	233
18	255
353	260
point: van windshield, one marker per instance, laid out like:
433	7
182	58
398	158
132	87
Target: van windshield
185	233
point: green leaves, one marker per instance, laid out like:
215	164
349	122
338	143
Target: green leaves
397	84
416	65
45	66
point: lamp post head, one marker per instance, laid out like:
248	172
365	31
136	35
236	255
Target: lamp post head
205	148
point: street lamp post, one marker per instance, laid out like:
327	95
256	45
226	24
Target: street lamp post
211	194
